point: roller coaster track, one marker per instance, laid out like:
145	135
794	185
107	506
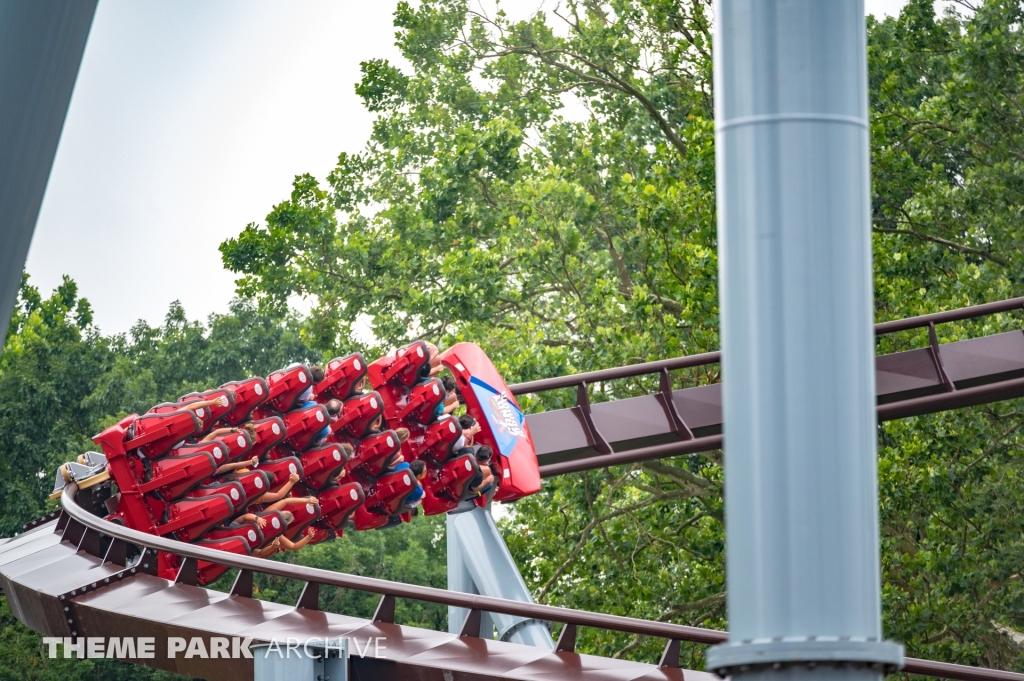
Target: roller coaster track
938	377
68	575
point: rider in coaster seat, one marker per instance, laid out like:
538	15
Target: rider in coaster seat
237	441
372	452
291	387
321	464
153	435
424	403
342	376
217	403
249	394
302	426
170	477
232	488
269	433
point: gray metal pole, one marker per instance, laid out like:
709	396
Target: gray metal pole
797	346
41	46
479	562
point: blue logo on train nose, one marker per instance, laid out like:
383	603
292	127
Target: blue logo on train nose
504	418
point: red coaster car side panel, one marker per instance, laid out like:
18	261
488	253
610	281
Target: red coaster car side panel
286	385
503	425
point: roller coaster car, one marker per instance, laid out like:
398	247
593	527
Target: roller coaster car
443	489
189	519
232	488
280	469
237	445
341	375
172	476
321	464
301	426
302	516
371	452
422	402
269	433
213	413
435	442
360	412
154	434
337	503
285	386
380	505
254	483
503	426
249	394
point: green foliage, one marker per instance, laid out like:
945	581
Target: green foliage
545	188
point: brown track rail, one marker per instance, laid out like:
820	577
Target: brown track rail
939	377
102	572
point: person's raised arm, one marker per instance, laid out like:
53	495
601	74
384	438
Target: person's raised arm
214	434
231	467
289	545
291	501
217	401
271	497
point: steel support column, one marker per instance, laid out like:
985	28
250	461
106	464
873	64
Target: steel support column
797	343
479	562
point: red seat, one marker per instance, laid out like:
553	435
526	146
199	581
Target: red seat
422	402
154	434
341	375
210	415
321	464
207	572
172	476
269	432
435	442
285	386
387	496
237	445
302	425
281	469
359	414
303	515
254	483
317	533
189	519
337	502
232	488
249	394
274	527
249	531
217	450
371	452
407	366
444	488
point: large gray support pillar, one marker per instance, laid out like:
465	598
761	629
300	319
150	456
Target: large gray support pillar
479	562
797	345
41	46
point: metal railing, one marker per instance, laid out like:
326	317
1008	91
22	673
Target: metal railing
674	633
688	444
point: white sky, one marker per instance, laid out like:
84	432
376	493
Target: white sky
189	120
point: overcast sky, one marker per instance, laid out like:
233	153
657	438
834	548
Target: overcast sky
189	120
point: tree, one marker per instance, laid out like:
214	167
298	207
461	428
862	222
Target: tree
545	188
